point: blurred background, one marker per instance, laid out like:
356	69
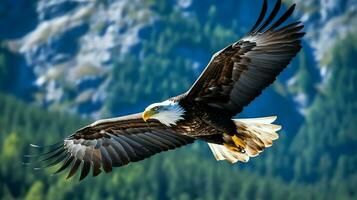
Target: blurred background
65	63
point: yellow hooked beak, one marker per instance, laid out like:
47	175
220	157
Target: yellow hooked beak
147	114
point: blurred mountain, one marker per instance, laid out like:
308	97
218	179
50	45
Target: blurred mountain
74	51
327	21
71	48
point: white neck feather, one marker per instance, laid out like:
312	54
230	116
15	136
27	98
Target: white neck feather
171	113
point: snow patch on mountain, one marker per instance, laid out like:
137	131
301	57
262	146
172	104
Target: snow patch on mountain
327	21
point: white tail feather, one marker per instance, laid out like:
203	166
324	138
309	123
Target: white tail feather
261	120
257	134
220	152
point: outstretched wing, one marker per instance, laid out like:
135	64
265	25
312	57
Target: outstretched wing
110	143
238	73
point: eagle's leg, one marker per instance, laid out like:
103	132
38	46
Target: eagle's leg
239	142
236	144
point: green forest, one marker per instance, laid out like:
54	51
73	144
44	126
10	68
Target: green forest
315	157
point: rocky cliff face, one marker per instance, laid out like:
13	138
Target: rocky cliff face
72	46
327	21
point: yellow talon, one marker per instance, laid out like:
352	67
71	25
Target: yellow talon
239	142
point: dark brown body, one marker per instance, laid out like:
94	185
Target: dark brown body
203	122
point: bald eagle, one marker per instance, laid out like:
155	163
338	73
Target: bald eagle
234	76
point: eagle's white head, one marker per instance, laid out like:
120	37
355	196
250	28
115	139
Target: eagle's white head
167	112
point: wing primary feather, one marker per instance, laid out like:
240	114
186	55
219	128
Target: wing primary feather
87	162
96	165
85	170
140	149
53	163
96	170
291	25
271	16
152	147
58	160
114	156
66	163
168	143
127	149
283	18
261	16
43	154
56	154
294	29
169	138
160	144
74	168
106	161
59	156
47	146
121	152
44	157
